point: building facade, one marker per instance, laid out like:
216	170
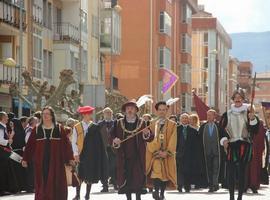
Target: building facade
244	78
57	35
210	60
232	77
10	48
155	34
262	91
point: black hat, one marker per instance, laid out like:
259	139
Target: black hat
160	103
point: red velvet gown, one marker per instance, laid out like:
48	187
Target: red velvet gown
255	165
50	151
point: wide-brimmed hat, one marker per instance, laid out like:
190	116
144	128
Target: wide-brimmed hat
130	103
85	110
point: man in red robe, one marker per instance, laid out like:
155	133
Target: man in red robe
130	155
50	149
255	165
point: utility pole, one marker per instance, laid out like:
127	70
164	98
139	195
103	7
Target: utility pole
20	59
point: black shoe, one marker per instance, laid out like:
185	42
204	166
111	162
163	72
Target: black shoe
115	187
239	198
86	197
162	197
216	188
104	190
155	195
254	191
211	190
180	190
76	198
143	191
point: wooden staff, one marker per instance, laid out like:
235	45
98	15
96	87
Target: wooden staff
117	146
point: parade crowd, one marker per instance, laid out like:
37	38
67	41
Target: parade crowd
134	154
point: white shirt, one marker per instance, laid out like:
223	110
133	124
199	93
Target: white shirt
75	137
3	141
28	131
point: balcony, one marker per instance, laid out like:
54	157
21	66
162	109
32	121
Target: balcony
110	37
10	14
66	32
8	75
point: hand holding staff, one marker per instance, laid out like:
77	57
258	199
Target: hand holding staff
146	135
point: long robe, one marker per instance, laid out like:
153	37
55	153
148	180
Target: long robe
255	165
93	157
8	182
50	156
130	157
221	156
163	169
188	156
18	145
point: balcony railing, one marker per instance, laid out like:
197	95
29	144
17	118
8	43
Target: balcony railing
37	14
66	32
8	75
10	13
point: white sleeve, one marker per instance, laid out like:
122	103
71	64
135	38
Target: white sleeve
222	140
253	122
74	143
3	141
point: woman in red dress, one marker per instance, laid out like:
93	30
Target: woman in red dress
50	149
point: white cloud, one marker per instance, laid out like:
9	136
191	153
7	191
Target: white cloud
240	15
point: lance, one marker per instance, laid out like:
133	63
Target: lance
253	93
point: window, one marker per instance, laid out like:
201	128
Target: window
186	14
164	57
186	43
115	83
47	14
165	23
185	73
84	21
95	26
205	63
37	53
47	64
94	67
205	38
186	102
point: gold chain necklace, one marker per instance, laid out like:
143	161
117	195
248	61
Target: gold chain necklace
130	132
44	133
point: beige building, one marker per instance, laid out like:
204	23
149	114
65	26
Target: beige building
58	34
233	73
210	59
9	47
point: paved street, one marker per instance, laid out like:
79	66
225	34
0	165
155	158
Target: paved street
264	194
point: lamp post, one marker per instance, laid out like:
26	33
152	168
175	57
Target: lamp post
117	8
20	59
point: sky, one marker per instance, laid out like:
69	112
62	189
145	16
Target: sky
240	15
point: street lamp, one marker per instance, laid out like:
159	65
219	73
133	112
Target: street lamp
118	9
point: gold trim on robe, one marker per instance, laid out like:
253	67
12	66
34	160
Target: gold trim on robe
165	140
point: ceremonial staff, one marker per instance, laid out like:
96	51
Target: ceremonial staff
253	93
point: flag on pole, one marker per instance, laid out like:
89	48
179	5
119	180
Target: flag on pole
169	79
200	107
266	113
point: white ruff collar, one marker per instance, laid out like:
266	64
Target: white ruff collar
243	108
